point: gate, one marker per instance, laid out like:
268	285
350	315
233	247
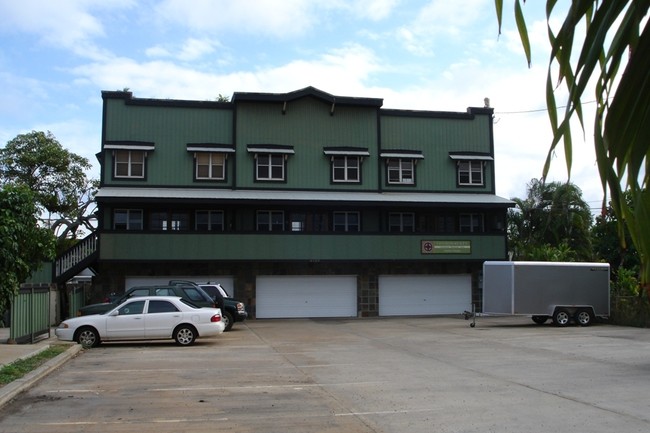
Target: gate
30	314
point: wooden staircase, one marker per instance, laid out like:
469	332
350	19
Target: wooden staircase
77	258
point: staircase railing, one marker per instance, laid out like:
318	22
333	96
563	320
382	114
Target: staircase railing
77	257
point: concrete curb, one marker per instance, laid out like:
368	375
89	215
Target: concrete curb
11	390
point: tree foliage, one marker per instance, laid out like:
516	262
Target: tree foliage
23	244
613	58
58	179
607	246
551	224
56	176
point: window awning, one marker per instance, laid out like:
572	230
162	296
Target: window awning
210	147
403	154
350	151
129	145
270	148
469	156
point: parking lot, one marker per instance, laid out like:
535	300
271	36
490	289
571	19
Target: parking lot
361	375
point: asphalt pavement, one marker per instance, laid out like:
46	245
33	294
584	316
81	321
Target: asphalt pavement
11	352
389	375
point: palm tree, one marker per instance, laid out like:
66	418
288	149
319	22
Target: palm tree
551	224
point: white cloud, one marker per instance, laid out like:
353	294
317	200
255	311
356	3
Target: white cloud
270	17
339	70
374	10
194	49
439	22
191	49
61	24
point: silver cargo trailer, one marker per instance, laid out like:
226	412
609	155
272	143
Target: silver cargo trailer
561	291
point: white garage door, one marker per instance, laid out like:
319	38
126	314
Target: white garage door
306	296
413	295
226	282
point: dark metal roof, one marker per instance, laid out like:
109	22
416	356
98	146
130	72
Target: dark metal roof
302	93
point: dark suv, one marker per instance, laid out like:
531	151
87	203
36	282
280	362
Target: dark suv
232	310
189	292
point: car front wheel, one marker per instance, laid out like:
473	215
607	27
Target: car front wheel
88	337
185	335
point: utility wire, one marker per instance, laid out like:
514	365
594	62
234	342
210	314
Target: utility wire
538	109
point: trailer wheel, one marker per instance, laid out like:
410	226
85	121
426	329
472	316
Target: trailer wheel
540	320
561	317
585	317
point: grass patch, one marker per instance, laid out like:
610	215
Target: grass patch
20	368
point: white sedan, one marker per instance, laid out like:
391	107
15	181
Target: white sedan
144	318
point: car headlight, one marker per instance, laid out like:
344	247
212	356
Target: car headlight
240	306
63	325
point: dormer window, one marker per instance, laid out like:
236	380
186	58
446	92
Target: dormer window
400	166
129	158
210	160
470	169
346	163
270	161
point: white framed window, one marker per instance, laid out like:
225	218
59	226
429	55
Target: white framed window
270	221
127	219
129	163
401	171
209	220
346	168
470	172
471	223
210	166
401	222
269	166
347	222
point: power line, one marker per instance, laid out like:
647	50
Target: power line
538	109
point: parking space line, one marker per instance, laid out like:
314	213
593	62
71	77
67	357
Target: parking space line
296	386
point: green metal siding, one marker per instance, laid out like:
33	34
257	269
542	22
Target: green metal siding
307	126
170	129
42	275
436	137
288	246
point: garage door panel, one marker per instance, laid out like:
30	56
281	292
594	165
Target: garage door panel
306	296
412	295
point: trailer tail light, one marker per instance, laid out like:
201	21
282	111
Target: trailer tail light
215	318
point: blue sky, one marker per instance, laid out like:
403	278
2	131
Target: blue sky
57	56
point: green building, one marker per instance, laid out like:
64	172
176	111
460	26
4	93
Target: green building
302	204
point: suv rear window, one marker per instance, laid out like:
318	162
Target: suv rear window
193	294
165	292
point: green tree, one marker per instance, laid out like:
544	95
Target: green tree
607	246
56	176
551	224
23	244
58	180
612	40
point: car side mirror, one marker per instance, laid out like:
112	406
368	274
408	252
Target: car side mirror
114	313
